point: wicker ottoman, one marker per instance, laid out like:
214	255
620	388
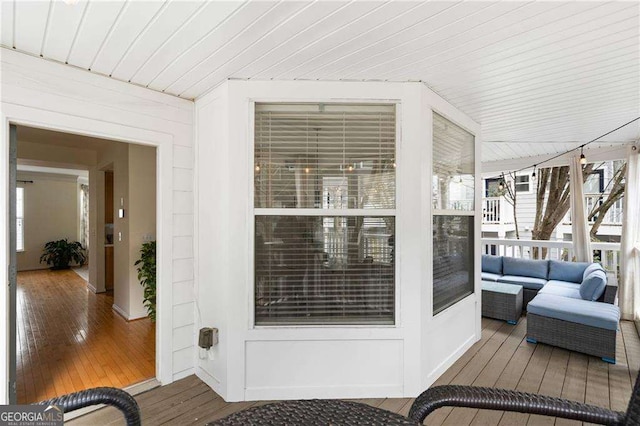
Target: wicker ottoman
502	301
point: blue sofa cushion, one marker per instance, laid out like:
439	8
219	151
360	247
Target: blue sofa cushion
595	314
592	267
565	284
593	286
525	267
526	282
492	264
567	271
488	276
562	288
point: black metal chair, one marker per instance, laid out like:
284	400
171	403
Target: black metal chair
108	396
507	400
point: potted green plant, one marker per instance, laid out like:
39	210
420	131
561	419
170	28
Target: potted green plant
61	253
147	276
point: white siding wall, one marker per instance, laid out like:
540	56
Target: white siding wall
49	95
309	362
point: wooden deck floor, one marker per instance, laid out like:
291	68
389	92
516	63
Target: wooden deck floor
70	339
502	358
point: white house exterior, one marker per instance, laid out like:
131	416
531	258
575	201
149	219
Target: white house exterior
498	214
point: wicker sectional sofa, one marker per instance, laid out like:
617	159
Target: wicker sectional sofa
569	304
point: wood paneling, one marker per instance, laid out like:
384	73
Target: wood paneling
562	72
502	358
70	339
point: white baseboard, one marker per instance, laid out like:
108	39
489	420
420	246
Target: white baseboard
120	311
182	374
450	360
91	287
211	381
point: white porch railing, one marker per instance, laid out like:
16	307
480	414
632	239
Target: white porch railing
496	211
606	253
613	215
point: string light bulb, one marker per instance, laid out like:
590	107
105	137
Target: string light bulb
583	159
257	167
306	170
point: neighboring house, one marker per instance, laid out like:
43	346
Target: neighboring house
498	215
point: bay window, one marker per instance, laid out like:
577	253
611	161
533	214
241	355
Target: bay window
324	212
453	199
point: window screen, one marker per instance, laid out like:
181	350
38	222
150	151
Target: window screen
332	263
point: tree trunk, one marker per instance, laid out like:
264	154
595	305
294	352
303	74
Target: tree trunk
550	214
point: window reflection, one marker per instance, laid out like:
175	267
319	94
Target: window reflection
452	260
319	269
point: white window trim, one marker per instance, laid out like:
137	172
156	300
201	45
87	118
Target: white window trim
252	212
529	182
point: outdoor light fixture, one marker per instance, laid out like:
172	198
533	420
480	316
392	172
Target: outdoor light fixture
583	159
533	175
257	167
501	185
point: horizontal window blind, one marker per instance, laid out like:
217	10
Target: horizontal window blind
324	270
453	166
325	156
452	260
453	188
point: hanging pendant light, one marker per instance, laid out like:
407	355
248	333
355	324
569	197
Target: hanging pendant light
583	159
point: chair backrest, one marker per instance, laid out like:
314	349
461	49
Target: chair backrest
633	410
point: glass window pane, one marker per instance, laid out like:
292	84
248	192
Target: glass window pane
324	270
325	156
452	260
453	166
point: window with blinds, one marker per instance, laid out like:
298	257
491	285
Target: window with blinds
453	194
333	262
453	166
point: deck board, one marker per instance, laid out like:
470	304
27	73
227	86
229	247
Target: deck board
502	358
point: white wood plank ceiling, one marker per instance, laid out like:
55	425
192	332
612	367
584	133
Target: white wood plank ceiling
539	76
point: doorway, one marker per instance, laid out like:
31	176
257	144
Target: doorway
72	331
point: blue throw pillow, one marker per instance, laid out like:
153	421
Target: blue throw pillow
492	264
593	286
567	271
591	268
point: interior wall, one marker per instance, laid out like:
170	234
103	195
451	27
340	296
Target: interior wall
50	213
53	96
141	214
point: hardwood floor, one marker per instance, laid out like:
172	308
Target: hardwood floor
502	358
70	339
